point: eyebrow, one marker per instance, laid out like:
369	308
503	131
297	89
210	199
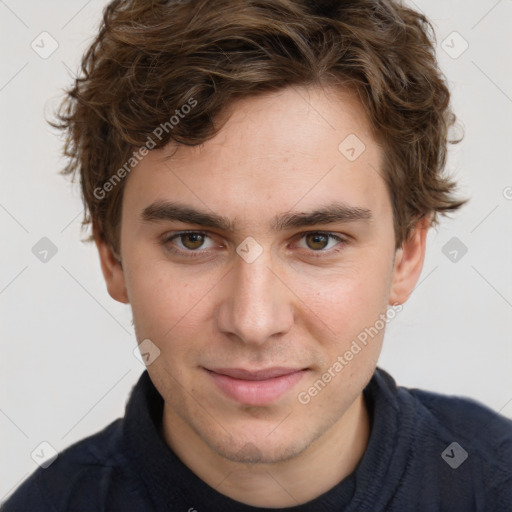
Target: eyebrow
334	212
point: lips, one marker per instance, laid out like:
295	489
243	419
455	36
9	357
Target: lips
255	388
268	373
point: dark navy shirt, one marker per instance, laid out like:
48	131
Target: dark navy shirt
426	452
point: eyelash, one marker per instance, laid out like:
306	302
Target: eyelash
198	253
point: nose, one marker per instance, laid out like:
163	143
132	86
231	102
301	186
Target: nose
256	304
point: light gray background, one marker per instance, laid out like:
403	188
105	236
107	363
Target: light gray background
67	363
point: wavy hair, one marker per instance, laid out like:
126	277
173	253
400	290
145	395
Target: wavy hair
150	57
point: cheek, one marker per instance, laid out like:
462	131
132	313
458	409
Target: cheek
350	298
164	300
167	310
347	321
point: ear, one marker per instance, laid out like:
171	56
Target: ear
409	263
111	268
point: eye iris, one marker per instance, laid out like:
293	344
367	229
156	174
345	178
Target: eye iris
196	239
317	238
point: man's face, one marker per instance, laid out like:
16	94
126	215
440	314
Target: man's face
264	293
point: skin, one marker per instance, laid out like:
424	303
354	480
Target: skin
277	153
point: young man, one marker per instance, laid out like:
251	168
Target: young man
260	177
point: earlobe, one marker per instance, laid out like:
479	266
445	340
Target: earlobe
111	268
409	263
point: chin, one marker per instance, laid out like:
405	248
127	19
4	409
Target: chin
261	449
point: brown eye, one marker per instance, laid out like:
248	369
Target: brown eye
322	244
187	242
317	241
192	240
191	244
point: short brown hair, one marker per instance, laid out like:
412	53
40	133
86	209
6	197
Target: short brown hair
151	57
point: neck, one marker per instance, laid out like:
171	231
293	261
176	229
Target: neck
326	462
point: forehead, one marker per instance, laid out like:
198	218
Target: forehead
299	144
308	122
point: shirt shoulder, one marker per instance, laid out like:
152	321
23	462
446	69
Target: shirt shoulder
473	435
481	427
81	478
